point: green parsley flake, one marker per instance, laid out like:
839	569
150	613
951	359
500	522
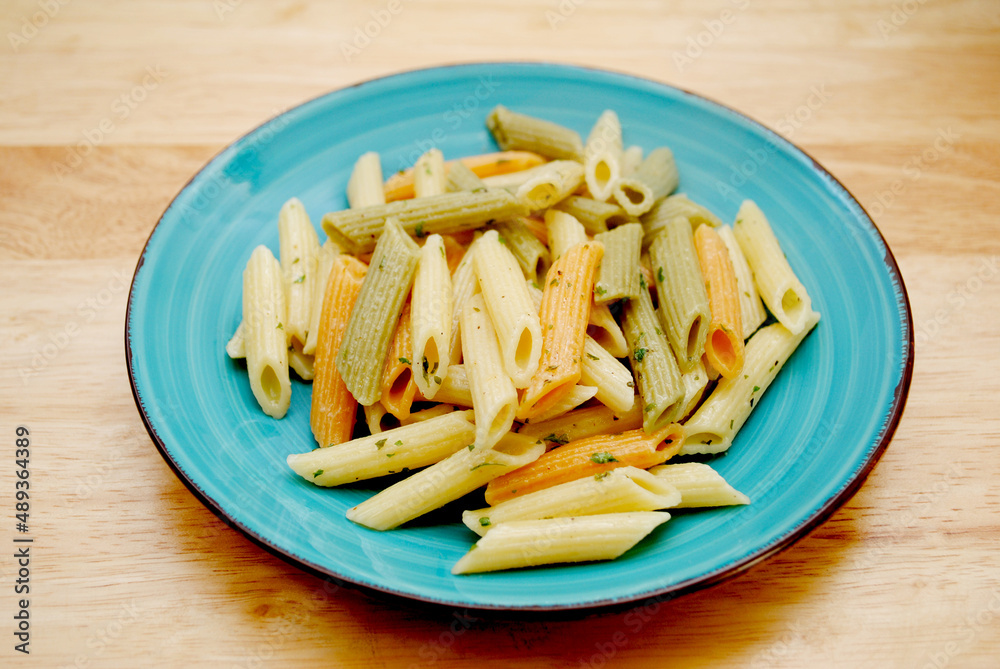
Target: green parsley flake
601	476
602	458
558	438
639	354
379	444
659	274
419	230
317	473
471	446
405	361
593	357
600	290
399	442
485	464
300	279
756	388
485	522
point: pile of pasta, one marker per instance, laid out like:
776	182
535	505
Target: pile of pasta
550	322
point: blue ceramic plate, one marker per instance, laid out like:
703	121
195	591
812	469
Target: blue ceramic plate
805	450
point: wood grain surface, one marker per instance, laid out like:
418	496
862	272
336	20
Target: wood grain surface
107	108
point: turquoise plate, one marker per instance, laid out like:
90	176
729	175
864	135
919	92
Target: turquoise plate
805	450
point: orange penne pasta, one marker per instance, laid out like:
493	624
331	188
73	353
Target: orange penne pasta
400	185
589	456
398	386
564	315
334	408
724	343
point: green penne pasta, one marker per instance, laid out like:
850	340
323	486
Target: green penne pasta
618	277
357	230
596	216
671	207
514	131
683	302
460	178
658	171
376	313
661	390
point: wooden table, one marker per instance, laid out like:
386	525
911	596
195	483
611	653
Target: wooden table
108	108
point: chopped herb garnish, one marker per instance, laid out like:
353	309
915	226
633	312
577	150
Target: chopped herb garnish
317	473
659	274
471	446
501	239
602	475
593	357
602	458
642	281
558	438
600	290
405	361
389	455
399	442
300	279
419	230
756	388
639	354
731	423
380	443
484	522
280	326
438	380
476	309
554	282
649	407
484	464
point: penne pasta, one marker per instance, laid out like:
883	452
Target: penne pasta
431	317
429	175
582	423
634	196
459	474
529	543
515	318
587	457
265	338
576	396
670	208
712	427
683	302
376	313
493	395
613	380
531	254
357	230
324	263
406	447
619	490
364	188
595	216
398	386
602	155
564	314
752	313
724	341
400	185
455	389
618	277
550	183
604	329
781	290
658	172
563	232
514	131
698	485
661	390
299	247
333	409
460	178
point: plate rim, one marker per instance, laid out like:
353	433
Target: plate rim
690	585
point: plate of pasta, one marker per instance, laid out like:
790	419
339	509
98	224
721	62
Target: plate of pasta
518	336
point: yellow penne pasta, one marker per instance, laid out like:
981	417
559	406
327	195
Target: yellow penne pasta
398	386
400	185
